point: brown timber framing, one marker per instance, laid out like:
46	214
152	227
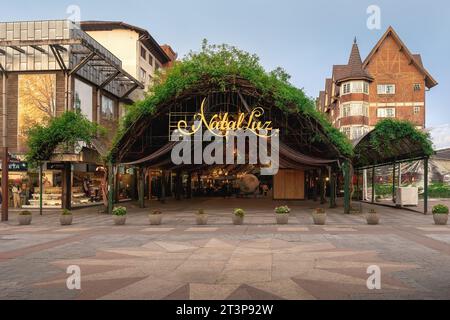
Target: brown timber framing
91	54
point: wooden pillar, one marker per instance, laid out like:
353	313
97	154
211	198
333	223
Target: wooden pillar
347	178
189	186
149	185
373	184
163	187
357	185
5	182
141	187
333	190
321	187
393	183
110	188
316	185
5	155
178	187
117	185
425	186
41	186
67	186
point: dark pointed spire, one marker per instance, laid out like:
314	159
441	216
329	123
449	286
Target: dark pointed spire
355	57
354	69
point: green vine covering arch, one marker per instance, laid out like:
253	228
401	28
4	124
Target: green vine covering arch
217	63
387	140
65	130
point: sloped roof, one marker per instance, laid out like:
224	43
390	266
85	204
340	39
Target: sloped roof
354	70
416	59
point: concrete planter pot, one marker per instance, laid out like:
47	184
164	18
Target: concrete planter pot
319	218
120	220
373	219
155	219
282	218
25	220
66	219
440	219
201	219
237	220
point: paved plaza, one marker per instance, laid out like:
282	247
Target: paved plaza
259	260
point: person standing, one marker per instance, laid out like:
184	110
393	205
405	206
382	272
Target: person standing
16	196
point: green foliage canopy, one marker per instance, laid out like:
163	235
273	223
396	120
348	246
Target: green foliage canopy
388	138
65	130
217	64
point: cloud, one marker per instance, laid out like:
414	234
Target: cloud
441	136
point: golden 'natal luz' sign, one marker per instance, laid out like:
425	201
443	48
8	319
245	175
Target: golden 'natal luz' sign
223	123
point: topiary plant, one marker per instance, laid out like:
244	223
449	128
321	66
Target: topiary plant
282	210
239	212
66	212
25	213
120	211
201	212
440	209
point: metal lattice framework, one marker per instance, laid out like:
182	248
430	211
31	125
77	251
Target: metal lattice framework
62	46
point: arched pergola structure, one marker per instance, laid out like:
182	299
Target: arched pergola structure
391	143
231	81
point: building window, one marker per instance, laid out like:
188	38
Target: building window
386	113
107	108
355	109
143	75
157	66
347	131
417	87
355	87
416	110
143	53
354	132
150	60
366	87
386	89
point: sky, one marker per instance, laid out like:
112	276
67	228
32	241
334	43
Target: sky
304	37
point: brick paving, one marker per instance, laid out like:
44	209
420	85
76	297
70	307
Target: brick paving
259	260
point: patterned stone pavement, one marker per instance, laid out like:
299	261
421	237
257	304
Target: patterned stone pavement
259	260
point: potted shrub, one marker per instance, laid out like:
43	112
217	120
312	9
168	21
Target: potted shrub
372	217
238	216
120	216
201	217
66	218
156	218
282	214
378	198
25	218
319	216
440	214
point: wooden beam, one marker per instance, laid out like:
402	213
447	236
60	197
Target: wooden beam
58	58
26	43
38	48
82	63
18	49
134	87
2	69
109	79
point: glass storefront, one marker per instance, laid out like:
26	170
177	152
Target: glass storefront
86	185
